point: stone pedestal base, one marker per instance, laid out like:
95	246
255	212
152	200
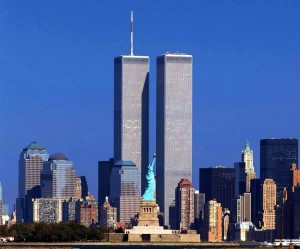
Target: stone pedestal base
148	214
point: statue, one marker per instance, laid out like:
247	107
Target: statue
150	185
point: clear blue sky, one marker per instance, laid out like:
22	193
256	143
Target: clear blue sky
56	75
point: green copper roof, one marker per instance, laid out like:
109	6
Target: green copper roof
34	146
247	146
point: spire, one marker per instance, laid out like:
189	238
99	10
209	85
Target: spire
131	33
247	146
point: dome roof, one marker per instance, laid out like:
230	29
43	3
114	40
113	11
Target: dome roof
58	156
33	146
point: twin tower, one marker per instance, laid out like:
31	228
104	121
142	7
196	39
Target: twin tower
173	120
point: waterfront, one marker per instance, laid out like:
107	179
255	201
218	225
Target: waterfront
98	245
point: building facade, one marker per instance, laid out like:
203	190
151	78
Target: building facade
173	126
108	215
213	221
276	156
255	189
125	190
131	111
244	208
218	183
48	210
104	171
268	204
184	199
78	188
84	187
30	166
86	212
58	178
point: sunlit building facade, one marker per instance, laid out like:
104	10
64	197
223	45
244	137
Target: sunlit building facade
48	210
173	126
30	166
125	190
131	111
58	178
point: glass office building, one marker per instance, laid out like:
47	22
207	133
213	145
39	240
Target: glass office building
173	126
276	156
131	111
125	190
30	166
58	177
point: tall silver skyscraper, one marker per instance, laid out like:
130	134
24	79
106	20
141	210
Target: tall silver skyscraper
30	166
131	109
173	126
58	178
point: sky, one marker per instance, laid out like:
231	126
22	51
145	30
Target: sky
56	75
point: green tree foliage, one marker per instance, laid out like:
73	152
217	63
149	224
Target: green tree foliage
56	232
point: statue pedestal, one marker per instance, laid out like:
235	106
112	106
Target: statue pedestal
148	214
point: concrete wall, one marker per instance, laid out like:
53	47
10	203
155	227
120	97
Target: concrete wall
164	238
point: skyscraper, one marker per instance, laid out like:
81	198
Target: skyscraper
125	190
184	205
268	204
243	211
58	178
104	171
217	183
84	187
247	158
276	156
213	221
131	111
173	126
30	166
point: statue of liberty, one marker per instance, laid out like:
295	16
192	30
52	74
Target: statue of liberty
150	184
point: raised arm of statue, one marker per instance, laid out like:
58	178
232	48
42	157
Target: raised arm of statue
150	183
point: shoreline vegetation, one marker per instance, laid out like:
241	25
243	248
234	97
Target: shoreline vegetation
55	232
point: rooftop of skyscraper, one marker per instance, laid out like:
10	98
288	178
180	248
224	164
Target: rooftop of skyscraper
33	146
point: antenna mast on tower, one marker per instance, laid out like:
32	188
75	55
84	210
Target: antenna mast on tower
131	34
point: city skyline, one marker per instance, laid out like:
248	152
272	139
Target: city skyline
54	68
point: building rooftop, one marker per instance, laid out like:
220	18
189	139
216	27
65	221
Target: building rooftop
33	146
125	163
58	156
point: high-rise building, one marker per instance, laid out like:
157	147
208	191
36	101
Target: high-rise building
30	166
255	189
268	204
125	190
244	171
184	201
296	213
243	208
84	187
199	202
1	204
240	178
69	210
78	188
104	171
131	111
218	183
48	210
87	211
247	158
276	156
108	215
58	178
173	126
213	221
